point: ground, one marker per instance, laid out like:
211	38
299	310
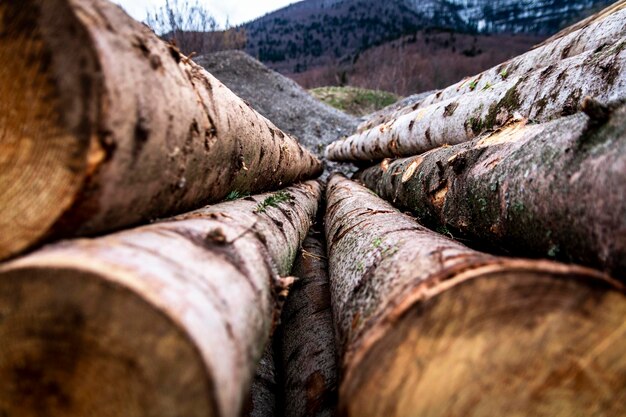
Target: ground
354	100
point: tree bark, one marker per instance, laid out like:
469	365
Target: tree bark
307	338
103	126
595	32
262	398
540	95
554	189
429	327
168	319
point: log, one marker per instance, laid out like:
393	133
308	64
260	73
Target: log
307	338
597	31
541	190
539	96
428	327
168	319
262	398
103	126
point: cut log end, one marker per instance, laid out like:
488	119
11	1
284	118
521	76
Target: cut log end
74	344
38	178
508	342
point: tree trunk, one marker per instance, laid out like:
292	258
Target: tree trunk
428	327
597	31
554	189
262	398
307	339
540	95
103	125
168	319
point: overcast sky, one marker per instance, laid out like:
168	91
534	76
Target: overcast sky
238	11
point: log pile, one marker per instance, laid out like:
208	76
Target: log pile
166	319
429	327
166	251
523	160
105	126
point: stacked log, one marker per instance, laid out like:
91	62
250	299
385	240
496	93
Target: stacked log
307	340
105	126
429	327
168	319
540	94
554	189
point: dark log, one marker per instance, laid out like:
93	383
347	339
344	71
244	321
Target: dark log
307	338
262	399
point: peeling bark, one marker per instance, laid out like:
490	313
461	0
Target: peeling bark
168	319
429	327
548	190
597	31
103	125
307	339
262	400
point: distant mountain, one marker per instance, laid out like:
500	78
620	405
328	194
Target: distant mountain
536	17
423	61
313	33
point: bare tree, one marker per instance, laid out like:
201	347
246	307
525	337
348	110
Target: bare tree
192	28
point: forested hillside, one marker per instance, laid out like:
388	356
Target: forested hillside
322	42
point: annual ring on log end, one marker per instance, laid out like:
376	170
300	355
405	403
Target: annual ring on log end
40	160
505	341
75	345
